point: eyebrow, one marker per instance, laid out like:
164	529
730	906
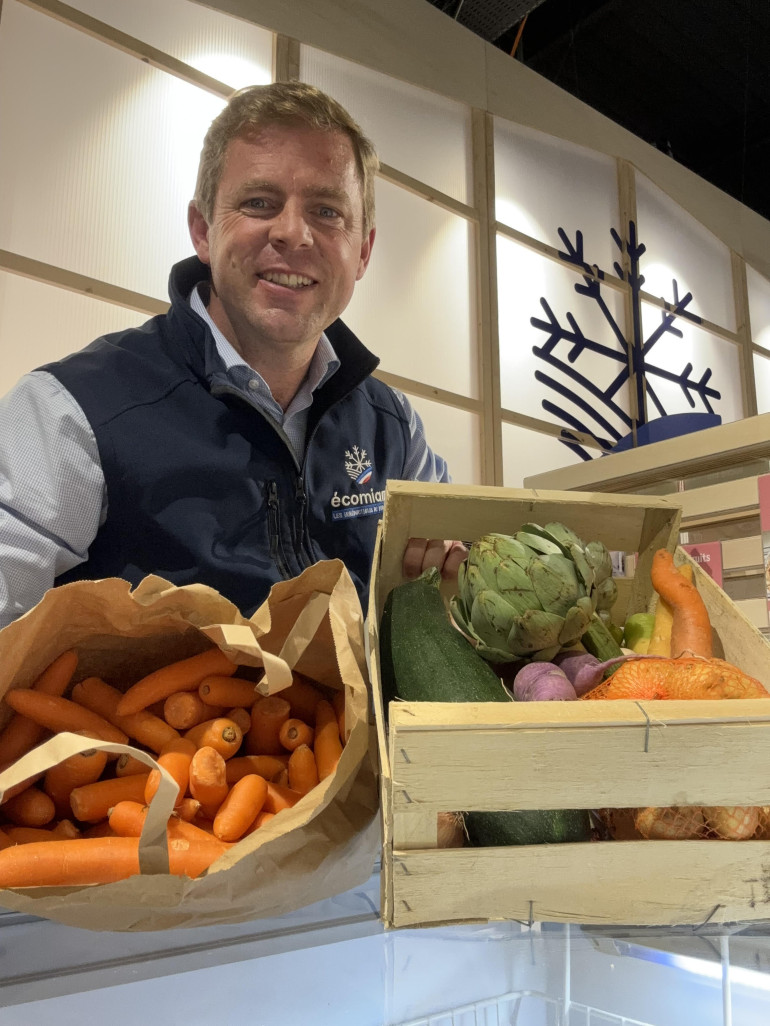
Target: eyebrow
328	193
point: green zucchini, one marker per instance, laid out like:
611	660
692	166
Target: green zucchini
423	658
528	826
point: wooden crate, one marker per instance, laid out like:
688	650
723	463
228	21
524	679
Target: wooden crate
438	757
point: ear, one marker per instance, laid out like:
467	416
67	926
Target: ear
366	252
199	232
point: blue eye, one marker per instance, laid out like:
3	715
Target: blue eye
328	212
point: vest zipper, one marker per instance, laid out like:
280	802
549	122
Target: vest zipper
273	514
300	541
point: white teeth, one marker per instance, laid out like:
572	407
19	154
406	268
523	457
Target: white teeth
292	281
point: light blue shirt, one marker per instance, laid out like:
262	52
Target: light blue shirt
52	490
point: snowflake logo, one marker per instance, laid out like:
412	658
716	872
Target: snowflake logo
357	466
634	355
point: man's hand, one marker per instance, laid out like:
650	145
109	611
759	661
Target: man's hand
420	553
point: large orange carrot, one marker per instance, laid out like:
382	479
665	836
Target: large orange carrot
208	779
30	808
128	765
188	809
65	830
303	695
183	675
294	733
328	746
185	709
101	698
268	766
280	797
60	781
262	818
175	757
228	691
92	802
303	771
127	820
691	628
221	733
267	718
93	860
240	808
22	734
60	714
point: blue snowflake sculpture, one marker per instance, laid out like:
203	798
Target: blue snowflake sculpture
634	355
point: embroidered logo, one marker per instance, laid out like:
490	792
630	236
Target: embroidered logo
358	467
357	504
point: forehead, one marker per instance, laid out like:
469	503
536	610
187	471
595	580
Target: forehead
292	154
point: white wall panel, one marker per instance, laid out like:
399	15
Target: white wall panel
679	247
416	131
414	307
526	453
584	363
98	154
704	352
229	49
762	379
543	184
759	307
40	323
453	434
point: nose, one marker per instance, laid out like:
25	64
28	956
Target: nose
289	228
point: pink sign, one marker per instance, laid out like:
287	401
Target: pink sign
709	557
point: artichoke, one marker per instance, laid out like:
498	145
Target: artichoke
528	595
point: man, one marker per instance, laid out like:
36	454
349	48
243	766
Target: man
239	438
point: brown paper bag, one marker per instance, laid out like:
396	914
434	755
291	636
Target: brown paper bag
326	844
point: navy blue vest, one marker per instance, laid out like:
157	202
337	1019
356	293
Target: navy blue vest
201	487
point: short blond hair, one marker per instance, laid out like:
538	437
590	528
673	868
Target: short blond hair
281	103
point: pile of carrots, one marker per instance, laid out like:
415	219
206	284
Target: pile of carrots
238	758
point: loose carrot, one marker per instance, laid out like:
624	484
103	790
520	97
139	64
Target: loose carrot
660	639
127	820
294	733
60	714
60	780
240	716
183	675
267	766
221	733
30	808
188	809
175	757
303	771
208	779
280	797
22	734
240	808
5	841
185	709
101	698
262	818
92	802
128	765
328	746
303	695
267	718
65	830
228	691
95	860
691	628
338	704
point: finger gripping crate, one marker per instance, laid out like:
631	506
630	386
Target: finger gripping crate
442	757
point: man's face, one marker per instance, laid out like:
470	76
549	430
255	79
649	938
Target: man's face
286	243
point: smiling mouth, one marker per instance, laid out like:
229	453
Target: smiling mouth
289	281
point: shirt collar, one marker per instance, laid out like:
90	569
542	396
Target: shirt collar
322	366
